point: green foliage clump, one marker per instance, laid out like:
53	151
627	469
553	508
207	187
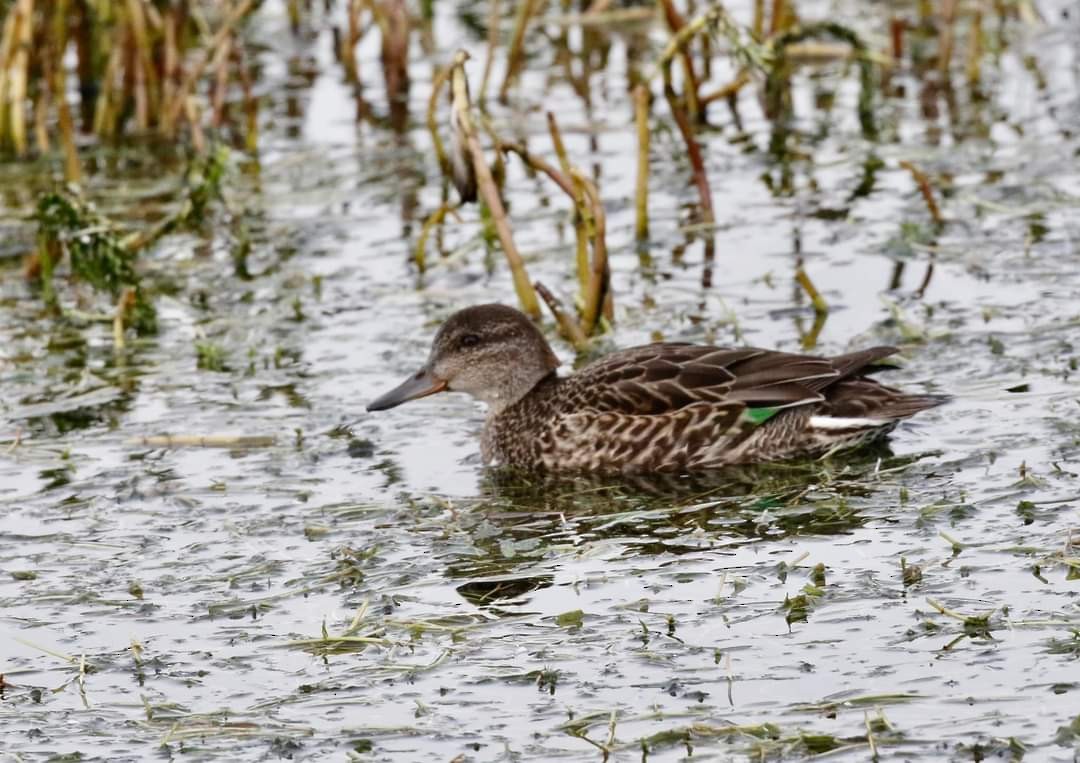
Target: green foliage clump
210	357
103	255
204	178
99	256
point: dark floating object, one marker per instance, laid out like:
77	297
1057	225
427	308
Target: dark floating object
665	407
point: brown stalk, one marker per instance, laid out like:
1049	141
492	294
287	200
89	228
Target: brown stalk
492	43
437	83
582	217
138	89
170	67
598	297
706	57
974	52
921	291
54	80
568	327
19	73
251	103
896	37
557	143
780	17
923	182
488	191
191	111
742	79
221	83
7	43
103	106
516	54
394	54
72	166
693	151
757	27
434	219
819	52
590	222
293	7
630	15
581	247
124	306
145	73
538	164
41	112
678	26
173	110
641	196
348	43
946	36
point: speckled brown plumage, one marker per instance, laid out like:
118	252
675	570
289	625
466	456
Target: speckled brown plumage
658	408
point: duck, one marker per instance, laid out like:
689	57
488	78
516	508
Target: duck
658	408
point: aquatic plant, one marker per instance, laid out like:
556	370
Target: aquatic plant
101	253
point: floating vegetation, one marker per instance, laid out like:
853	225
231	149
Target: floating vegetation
346	641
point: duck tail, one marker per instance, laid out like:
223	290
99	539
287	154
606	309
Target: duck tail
861	403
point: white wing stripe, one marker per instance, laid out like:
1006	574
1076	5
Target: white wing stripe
836	422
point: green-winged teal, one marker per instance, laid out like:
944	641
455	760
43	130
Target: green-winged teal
665	407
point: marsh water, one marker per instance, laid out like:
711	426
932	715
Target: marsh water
362	587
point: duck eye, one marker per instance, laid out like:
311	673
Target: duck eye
470	340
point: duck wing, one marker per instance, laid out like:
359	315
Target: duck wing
666	377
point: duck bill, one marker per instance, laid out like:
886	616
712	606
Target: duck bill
420	384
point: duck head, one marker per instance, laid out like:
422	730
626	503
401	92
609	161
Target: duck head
492	352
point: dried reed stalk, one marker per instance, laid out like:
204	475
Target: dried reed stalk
568	327
693	152
731	89
352	36
492	43
583	224
516	54
251	103
975	48
396	28
434	220
678	26
598	296
438	81
461	108
17	64
641	195
757	26
946	36
923	182
173	110
221	83
538	164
